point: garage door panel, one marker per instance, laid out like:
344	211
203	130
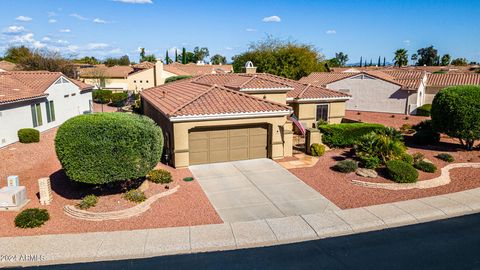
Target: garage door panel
199	145
258	140
198	135
239	142
259	152
258	131
218	143
218	133
218	156
238	154
239	132
198	158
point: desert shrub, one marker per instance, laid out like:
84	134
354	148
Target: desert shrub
31	218
407	129
102	96
322	122
445	157
317	150
424	110
135	196
345	166
425	166
425	133
87	202
28	135
418	157
401	172
370	162
159	176
176	78
407	158
102	148
346	134
384	145
119	99
456	112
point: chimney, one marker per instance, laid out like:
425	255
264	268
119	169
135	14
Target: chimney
157	73
249	68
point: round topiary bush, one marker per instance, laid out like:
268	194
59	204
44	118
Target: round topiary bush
401	172
345	166
31	218
317	150
369	162
28	135
425	134
119	99
102	148
424	110
159	176
102	96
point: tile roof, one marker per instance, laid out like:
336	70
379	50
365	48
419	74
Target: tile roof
194	69
144	65
189	98
109	72
453	79
7	66
22	85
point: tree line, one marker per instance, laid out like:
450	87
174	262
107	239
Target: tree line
428	56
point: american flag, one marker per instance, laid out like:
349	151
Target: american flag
299	125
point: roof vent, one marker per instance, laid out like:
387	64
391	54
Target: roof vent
16	89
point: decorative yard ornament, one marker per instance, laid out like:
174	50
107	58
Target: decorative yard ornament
45	191
13	181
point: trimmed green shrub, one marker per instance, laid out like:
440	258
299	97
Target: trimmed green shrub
176	78
28	135
102	96
401	172
407	129
407	158
87	202
424	110
345	166
31	218
425	134
456	112
159	176
425	166
119	99
317	150
346	134
385	145
322	122
135	196
102	148
445	157
370	162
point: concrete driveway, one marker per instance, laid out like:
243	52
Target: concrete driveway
257	189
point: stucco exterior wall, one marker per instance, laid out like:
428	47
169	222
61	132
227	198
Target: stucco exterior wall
430	92
141	80
373	95
114	84
68	102
307	112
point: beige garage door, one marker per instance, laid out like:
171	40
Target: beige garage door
227	144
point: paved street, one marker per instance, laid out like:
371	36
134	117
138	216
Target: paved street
257	189
446	244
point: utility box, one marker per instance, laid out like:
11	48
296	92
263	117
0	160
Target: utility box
13	181
13	197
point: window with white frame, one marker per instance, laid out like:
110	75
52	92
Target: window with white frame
322	112
36	114
50	111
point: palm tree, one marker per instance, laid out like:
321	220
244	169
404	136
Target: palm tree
401	57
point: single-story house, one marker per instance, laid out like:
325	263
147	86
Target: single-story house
40	100
143	75
223	117
436	82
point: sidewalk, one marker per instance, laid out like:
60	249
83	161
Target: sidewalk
102	246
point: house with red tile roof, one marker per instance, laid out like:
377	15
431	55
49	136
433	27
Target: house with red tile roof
390	90
232	116
144	75
40	100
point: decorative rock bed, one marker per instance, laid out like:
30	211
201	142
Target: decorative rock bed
138	209
443	179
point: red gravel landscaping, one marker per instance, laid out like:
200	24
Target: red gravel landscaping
188	206
338	187
387	119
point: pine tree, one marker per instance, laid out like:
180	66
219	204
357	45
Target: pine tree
361	61
184	56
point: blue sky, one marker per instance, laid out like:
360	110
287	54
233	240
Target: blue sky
359	28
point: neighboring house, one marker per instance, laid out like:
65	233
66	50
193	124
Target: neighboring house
143	75
40	100
391	91
7	66
223	117
436	82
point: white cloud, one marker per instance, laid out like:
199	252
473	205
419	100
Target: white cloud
228	48
27	39
330	32
406	42
61	41
274	18
14	29
72	48
135	1
46	39
78	16
52	21
66	30
51	14
98	20
23	18
96	46
251	30
115	51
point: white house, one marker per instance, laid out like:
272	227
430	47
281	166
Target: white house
40	100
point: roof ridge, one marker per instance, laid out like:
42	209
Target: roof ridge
194	99
250	96
303	91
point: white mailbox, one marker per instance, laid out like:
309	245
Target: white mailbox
12	196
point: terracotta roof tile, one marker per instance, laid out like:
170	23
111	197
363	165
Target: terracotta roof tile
7	66
195	70
452	79
144	65
109	72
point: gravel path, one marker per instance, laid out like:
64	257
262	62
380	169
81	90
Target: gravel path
384	118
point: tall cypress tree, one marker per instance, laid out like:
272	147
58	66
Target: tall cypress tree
176	55
184	56
167	59
371	62
361	61
384	61
378	64
365	64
